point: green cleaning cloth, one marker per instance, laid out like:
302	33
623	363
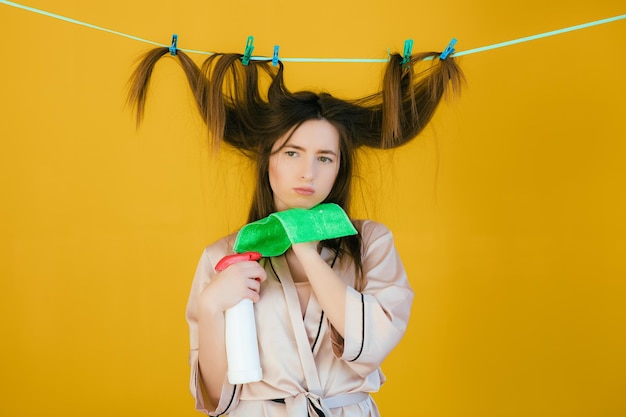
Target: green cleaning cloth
273	235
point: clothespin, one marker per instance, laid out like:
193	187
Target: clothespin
245	59
275	56
449	49
408	49
174	44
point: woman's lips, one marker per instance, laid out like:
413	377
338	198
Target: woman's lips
304	190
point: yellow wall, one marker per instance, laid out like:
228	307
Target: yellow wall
509	211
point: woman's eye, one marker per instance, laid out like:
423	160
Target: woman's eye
290	153
325	159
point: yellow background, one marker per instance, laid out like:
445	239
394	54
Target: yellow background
508	211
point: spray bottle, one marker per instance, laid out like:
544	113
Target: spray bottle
242	348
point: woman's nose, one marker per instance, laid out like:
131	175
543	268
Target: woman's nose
307	169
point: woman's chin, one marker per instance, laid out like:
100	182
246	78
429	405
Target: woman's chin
305	206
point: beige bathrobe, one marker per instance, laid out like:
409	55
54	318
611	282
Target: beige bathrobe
308	369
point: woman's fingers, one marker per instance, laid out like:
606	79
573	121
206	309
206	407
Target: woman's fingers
237	281
253	270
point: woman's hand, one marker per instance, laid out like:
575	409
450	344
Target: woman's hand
230	286
226	289
304	249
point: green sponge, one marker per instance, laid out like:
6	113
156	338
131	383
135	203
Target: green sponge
273	235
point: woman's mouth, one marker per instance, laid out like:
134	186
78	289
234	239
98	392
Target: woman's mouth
304	190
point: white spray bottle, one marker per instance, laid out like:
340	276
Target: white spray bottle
242	347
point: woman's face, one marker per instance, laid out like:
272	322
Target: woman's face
303	167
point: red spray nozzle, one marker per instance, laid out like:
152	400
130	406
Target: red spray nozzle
228	260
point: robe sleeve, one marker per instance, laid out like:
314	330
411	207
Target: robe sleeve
376	318
230	393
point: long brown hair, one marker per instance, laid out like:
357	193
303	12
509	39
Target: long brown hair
250	108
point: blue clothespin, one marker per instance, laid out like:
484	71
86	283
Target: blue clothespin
245	59
174	44
408	49
449	49
275	56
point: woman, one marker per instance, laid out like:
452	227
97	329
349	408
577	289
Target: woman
327	313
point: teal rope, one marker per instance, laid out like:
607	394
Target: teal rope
541	35
78	22
343	60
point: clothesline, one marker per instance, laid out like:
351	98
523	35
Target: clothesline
344	60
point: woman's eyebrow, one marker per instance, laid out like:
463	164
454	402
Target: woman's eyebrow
291	145
301	148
